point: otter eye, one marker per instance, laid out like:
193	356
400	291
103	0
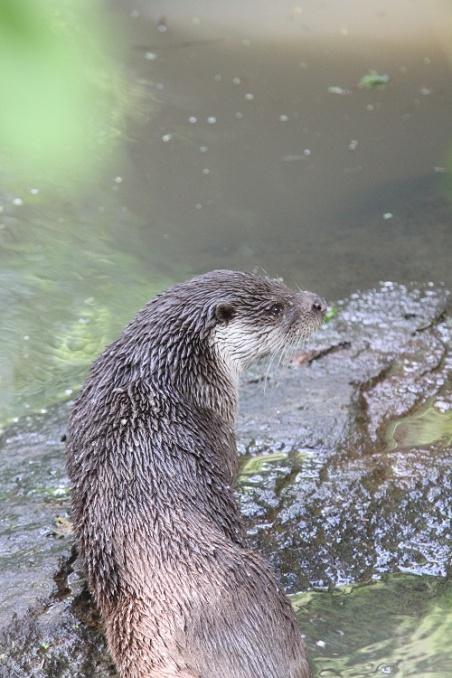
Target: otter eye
276	309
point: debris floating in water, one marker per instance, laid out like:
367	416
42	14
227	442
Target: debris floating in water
34	191
387	216
249	96
150	56
335	89
353	145
206	170
18	201
283	118
167	137
236	81
203	149
373	79
161	25
211	120
118	180
192	119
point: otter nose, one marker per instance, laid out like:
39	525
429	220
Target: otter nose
312	302
319	305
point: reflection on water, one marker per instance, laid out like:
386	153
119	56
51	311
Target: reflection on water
252	144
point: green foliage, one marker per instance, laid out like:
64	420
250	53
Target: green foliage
60	92
331	313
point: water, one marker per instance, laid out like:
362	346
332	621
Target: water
250	144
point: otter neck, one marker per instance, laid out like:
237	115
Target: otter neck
204	379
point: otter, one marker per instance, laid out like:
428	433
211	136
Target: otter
152	461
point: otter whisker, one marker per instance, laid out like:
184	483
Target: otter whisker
269	366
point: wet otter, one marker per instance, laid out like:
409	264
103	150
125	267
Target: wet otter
152	458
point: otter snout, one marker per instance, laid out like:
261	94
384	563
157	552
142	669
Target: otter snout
312	303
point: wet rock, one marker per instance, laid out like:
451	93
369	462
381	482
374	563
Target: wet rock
345	476
355	502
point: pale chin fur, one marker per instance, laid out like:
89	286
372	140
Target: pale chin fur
236	346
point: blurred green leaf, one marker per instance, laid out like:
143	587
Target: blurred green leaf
60	90
331	313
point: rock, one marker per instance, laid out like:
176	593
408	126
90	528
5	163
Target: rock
345	476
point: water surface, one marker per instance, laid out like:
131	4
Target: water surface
249	144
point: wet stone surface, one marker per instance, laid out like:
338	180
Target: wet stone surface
345	477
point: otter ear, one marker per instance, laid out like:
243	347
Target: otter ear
224	312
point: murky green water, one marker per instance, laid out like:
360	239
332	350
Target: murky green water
251	144
397	627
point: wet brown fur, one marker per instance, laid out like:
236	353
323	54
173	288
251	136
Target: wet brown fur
152	459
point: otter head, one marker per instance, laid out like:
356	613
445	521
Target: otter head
256	316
